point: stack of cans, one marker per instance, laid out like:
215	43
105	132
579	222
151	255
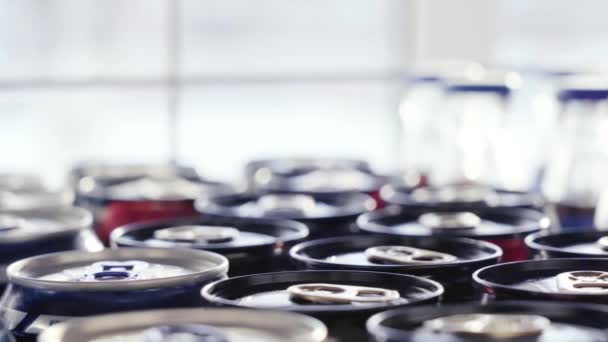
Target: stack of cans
350	255
321	249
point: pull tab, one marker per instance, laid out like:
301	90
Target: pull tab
450	221
498	326
286	203
184	333
454	194
341	294
603	242
587	282
9	222
207	234
114	270
407	255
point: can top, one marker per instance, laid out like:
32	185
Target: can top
35	199
552	277
20	182
458	197
236	325
110	173
571	244
326	176
285	205
323	292
213	234
155	189
541	321
486	223
387	253
117	269
30	225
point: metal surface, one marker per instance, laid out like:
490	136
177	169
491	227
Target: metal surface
500	326
197	233
450	221
408	255
334	293
583	282
238	325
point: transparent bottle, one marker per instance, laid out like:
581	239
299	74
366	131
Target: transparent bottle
470	128
420	110
578	164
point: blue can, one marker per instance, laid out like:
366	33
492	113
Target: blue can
27	233
55	287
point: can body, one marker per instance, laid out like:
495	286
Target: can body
55	287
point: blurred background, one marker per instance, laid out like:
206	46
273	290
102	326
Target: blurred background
86	79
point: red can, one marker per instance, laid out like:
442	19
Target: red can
145	199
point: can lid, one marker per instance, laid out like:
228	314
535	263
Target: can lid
35	199
20	182
322	292
155	189
112	172
285	205
486	223
458	197
501	326
570	244
314	175
236	325
223	235
28	225
117	269
374	253
503	320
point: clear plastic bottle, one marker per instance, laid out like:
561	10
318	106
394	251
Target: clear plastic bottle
420	110
577	168
470	129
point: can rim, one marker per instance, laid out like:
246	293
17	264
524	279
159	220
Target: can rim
366	222
532	243
477	276
299	231
83	220
21	272
359	203
438	290
377	330
296	251
77	330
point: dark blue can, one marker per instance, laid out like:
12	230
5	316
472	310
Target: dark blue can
51	288
27	233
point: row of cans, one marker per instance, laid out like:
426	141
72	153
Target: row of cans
326	254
